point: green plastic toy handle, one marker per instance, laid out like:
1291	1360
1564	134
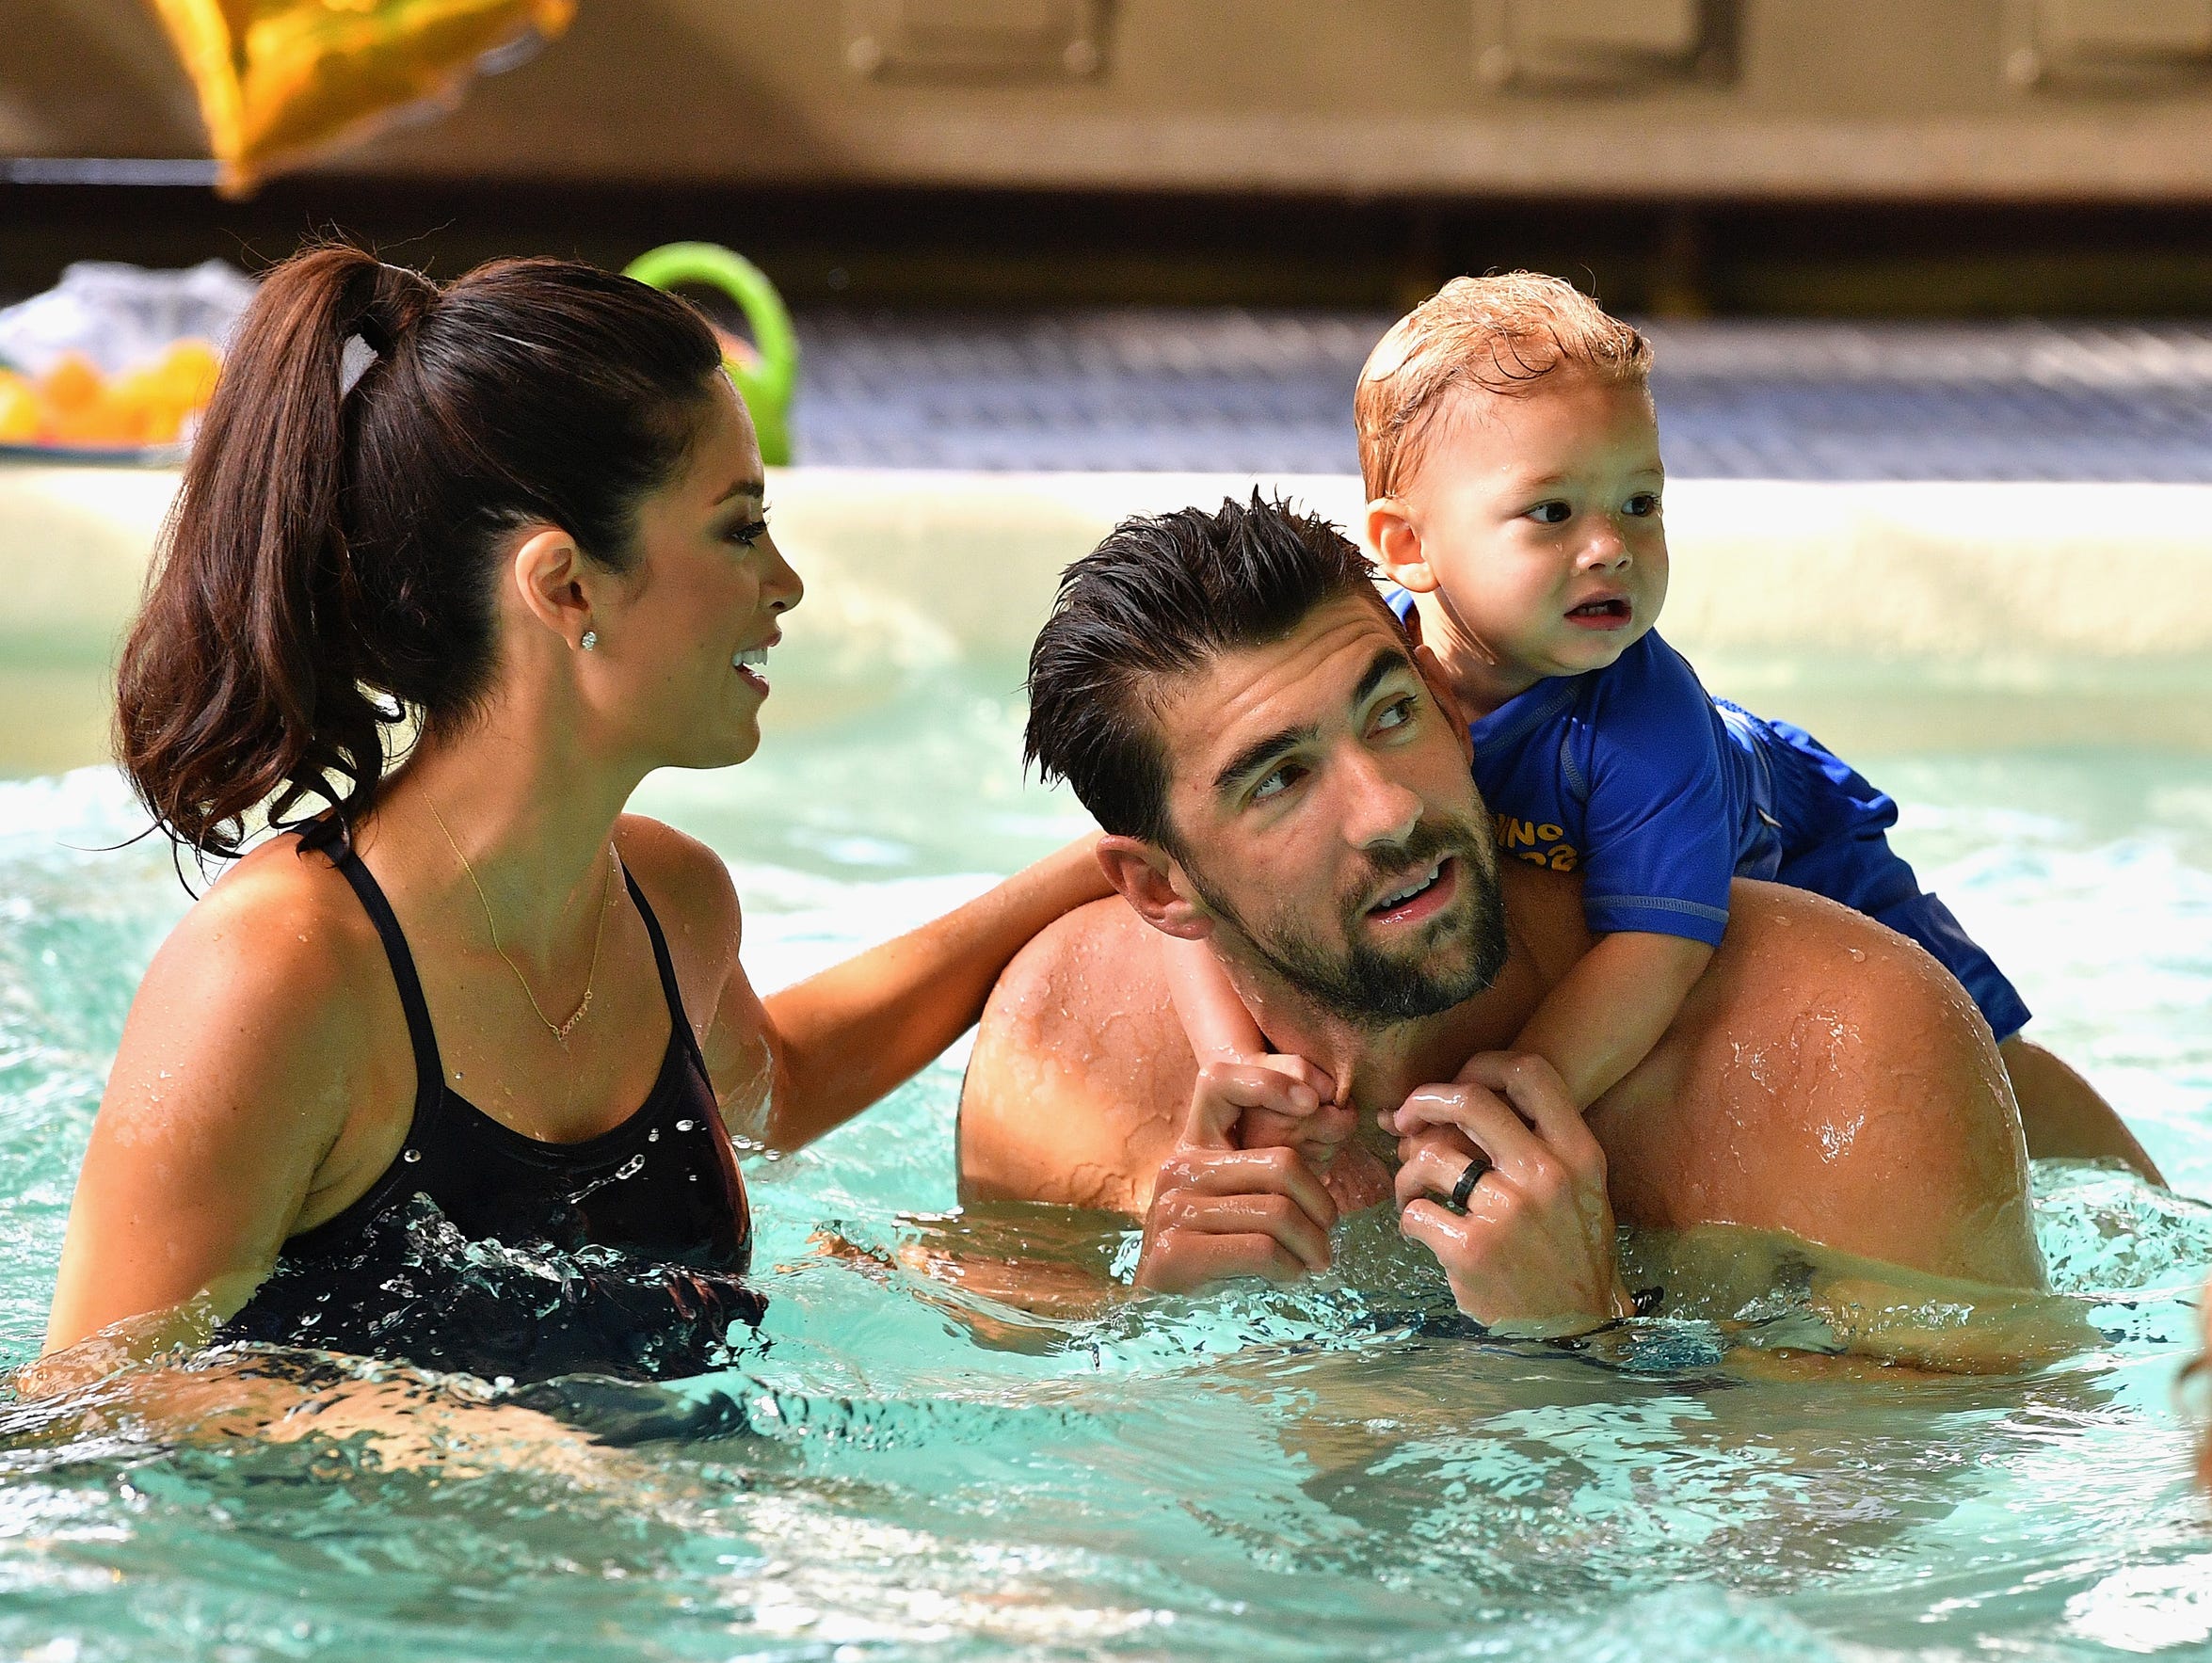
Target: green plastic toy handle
767	385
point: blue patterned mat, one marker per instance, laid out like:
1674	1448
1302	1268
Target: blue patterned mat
1158	390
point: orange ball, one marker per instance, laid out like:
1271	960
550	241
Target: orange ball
73	385
22	417
188	371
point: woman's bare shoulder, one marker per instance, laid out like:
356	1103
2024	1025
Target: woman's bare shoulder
252	1046
688	883
263	1008
273	987
281	920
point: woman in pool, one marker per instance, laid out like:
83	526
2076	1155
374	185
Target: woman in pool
450	1072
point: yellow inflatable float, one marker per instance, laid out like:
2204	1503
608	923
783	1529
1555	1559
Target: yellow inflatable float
281	79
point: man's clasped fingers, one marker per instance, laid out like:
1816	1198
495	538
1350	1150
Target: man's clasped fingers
1533	1246
1439	1165
1249	1172
1220	1212
1472	1115
1539	1099
1183	1261
1318	1136
1516	1110
1277	1218
1512	1265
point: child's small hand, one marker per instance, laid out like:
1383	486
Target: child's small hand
1282	1102
1288	1103
1485	1068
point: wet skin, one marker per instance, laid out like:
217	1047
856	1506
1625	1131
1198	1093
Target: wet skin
266	1079
1824	1077
1532	535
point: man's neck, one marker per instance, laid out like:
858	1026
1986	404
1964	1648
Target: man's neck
1374	1065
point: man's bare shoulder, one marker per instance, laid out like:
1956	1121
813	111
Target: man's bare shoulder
1080	969
1826	1077
1079	1070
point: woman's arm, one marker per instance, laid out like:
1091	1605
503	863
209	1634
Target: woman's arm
843	1038
840	1039
237	1065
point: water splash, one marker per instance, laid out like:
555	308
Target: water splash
410	1285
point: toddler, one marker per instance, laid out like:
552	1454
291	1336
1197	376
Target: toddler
1510	452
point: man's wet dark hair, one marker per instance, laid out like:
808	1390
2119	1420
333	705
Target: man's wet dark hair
1162	594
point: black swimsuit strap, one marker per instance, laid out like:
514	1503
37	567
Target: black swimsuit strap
331	836
679	1022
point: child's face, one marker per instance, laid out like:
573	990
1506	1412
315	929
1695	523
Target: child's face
1536	522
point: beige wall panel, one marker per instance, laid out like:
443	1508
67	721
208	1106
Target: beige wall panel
92	78
1870	99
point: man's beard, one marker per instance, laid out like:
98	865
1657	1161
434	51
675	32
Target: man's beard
1365	985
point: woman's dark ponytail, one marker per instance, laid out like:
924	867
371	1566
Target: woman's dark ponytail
327	569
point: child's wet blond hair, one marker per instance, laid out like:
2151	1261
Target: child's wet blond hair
1490	334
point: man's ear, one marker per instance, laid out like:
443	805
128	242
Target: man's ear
1146	875
1439	686
1397	543
550	579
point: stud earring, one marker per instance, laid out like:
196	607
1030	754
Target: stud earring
592	640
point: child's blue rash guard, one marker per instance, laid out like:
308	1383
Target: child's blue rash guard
1660	795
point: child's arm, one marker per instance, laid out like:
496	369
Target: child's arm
1221	1030
1223	1034
1658	830
1611	1009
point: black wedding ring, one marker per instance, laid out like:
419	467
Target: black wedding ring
1467	1180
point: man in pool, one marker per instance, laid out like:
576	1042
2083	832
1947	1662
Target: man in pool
1279	778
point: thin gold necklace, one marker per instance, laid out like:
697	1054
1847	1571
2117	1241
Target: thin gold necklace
560	1031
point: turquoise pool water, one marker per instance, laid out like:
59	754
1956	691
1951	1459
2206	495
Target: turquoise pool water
1329	1472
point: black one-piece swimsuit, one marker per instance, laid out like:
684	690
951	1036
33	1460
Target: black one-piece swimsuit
484	1250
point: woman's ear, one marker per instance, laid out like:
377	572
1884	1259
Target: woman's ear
1397	543
1146	874
550	579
